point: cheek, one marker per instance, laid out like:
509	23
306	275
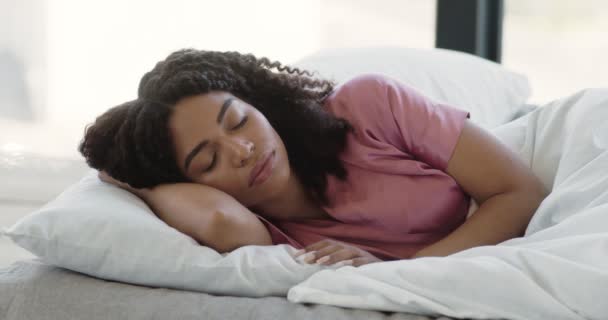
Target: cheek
262	125
200	180
282	171
227	183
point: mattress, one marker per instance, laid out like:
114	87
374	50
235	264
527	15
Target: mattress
32	289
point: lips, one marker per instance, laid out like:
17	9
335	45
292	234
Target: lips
258	167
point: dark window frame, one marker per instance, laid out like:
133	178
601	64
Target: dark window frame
472	26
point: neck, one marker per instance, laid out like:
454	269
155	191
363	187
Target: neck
293	203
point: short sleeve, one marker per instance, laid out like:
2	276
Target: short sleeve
278	236
426	129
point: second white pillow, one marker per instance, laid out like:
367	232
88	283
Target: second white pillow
493	94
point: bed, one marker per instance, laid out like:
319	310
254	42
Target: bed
39	291
34	288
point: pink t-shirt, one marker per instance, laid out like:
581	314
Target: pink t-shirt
397	198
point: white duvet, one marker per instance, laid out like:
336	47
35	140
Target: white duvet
558	270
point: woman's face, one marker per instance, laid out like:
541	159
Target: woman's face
218	140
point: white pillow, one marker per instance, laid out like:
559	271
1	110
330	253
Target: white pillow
493	94
101	230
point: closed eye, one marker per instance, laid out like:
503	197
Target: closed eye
242	123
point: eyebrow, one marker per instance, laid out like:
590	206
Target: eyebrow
202	144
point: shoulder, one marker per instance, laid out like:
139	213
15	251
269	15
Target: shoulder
367	92
363	85
363	100
357	97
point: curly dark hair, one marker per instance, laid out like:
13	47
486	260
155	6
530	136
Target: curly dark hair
132	142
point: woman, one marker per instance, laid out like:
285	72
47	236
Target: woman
366	171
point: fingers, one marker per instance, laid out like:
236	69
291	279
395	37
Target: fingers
318	255
335	259
343	263
329	252
314	251
308	257
313	247
335	256
359	261
327	255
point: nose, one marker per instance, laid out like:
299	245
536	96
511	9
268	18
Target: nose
239	150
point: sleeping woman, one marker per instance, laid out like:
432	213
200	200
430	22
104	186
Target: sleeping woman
235	150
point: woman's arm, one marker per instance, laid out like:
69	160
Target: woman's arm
210	216
507	190
501	217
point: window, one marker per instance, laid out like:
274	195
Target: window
560	45
361	23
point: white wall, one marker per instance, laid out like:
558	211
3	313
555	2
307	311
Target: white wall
83	57
98	50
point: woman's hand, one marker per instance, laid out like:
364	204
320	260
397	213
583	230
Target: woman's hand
332	252
103	176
